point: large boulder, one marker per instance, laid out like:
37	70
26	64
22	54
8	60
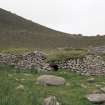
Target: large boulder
51	101
51	80
96	98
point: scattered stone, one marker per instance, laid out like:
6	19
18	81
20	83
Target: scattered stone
51	80
10	75
103	83
51	101
96	98
91	80
98	86
97	91
83	85
22	79
20	87
28	75
17	79
67	84
102	89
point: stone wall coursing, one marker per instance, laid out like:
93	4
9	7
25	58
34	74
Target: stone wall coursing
33	60
89	65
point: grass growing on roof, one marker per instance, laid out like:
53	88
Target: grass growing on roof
66	53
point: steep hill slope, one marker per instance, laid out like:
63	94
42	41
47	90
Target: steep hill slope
16	31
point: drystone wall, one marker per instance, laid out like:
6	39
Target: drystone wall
33	60
89	65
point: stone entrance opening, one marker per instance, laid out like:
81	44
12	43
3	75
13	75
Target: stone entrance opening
54	66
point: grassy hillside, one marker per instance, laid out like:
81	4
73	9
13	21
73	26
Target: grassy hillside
20	88
16	31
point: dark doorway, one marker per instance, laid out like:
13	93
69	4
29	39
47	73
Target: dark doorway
54	66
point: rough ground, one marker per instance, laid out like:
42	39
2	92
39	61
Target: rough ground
20	88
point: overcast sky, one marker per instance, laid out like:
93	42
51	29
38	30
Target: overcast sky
72	16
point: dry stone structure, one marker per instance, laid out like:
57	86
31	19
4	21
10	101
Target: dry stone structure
88	65
33	60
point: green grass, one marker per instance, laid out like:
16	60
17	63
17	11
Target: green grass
66	53
52	54
16	50
73	93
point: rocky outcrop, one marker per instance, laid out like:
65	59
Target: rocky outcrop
51	80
